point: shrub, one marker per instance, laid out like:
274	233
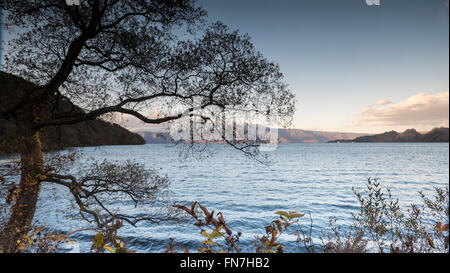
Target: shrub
381	225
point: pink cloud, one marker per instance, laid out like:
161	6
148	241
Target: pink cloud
384	102
417	111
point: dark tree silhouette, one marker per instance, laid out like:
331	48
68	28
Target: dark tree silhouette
118	56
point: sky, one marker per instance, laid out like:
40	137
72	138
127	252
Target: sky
353	67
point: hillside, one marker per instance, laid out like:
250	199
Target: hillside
306	136
410	135
90	133
284	136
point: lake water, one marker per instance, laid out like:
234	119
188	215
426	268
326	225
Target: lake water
316	178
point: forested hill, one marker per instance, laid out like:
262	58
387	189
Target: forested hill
410	135
90	133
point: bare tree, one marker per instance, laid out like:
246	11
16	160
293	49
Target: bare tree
119	56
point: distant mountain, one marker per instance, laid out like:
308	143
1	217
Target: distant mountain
284	136
306	136
410	135
155	137
90	133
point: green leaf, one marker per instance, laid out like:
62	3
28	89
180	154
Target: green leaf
283	213
294	214
215	234
121	250
204	233
98	240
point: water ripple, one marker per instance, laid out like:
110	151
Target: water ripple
304	177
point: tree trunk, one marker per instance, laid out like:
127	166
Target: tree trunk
26	195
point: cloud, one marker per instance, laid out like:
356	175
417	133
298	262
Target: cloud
384	102
419	111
